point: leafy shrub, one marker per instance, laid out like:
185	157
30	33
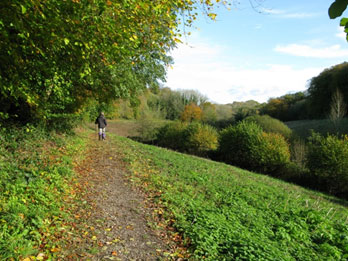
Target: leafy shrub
201	139
275	153
194	138
327	161
149	124
247	146
62	122
172	136
270	125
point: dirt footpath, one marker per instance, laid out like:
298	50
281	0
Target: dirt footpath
118	220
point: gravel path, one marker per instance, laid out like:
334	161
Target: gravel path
118	221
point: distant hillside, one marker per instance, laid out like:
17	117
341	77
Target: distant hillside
247	104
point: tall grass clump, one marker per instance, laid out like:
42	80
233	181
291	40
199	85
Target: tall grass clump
247	146
271	125
327	160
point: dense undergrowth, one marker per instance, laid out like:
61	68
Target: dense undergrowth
225	213
35	167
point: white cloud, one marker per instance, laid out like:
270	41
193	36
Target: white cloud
272	11
341	33
299	15
334	51
286	14
200	68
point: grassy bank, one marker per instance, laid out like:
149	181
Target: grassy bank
35	168
225	213
303	128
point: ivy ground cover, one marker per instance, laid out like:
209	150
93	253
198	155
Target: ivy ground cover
225	213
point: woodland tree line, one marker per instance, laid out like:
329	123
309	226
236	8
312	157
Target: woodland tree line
324	92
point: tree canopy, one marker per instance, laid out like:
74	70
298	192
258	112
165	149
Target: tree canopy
323	87
55	54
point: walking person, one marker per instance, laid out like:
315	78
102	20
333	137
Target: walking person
101	121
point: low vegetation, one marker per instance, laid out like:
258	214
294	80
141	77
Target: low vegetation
35	167
226	213
304	128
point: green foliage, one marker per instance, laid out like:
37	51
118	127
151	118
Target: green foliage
171	103
247	146
194	138
287	107
323	87
62	122
172	136
34	168
225	213
201	139
303	128
209	114
149	124
336	9
55	55
270	125
328	162
93	109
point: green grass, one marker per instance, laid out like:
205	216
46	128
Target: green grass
225	213
35	167
303	128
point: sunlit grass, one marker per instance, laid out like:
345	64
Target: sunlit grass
35	167
226	213
303	128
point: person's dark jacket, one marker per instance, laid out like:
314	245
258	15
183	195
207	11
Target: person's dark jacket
101	121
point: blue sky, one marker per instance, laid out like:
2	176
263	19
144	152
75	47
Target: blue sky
248	55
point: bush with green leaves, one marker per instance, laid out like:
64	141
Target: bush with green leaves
327	160
270	125
247	146
201	139
194	138
172	136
